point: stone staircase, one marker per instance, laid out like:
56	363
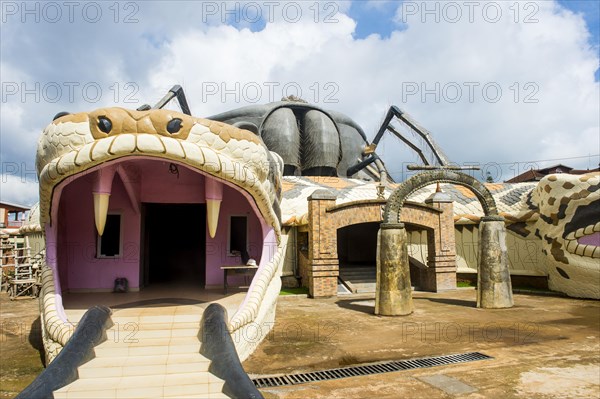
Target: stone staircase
149	353
359	279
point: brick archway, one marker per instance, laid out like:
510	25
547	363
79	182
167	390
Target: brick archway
398	198
393	294
325	218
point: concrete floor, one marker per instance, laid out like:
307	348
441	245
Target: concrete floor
544	347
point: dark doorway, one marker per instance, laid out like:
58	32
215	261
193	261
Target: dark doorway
357	244
357	254
174	249
238	231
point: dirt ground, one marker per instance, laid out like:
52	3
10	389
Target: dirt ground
544	347
21	351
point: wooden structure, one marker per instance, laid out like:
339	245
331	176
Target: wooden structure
20	271
12	215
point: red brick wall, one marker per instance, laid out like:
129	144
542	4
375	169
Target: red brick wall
325	217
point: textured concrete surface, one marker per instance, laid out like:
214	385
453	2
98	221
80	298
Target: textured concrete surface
493	276
543	347
394	297
448	384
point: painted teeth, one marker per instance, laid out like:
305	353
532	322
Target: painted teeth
214	196
584	231
572	246
212	215
100	210
590	251
101	190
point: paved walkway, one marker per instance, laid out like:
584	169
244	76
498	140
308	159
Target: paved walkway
153	348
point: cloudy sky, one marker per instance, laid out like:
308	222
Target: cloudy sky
505	85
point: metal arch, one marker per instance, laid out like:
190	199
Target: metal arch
391	213
386	126
422	132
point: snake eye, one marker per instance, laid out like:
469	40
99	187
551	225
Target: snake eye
174	125
60	115
104	124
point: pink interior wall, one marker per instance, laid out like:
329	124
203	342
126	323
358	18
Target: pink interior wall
79	268
217	255
152	183
158	185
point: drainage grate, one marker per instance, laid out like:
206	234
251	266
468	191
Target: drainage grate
367	369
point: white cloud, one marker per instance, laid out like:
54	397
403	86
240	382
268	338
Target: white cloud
548	62
17	189
210	64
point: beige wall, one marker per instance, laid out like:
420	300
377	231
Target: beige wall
524	254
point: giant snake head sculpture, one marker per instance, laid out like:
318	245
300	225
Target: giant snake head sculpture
74	143
86	165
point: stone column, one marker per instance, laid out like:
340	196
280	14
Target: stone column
393	295
441	262
494	289
324	267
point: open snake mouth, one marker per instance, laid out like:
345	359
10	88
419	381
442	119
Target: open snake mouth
582	233
115	160
76	143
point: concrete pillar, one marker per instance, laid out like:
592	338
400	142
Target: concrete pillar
494	289
393	295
